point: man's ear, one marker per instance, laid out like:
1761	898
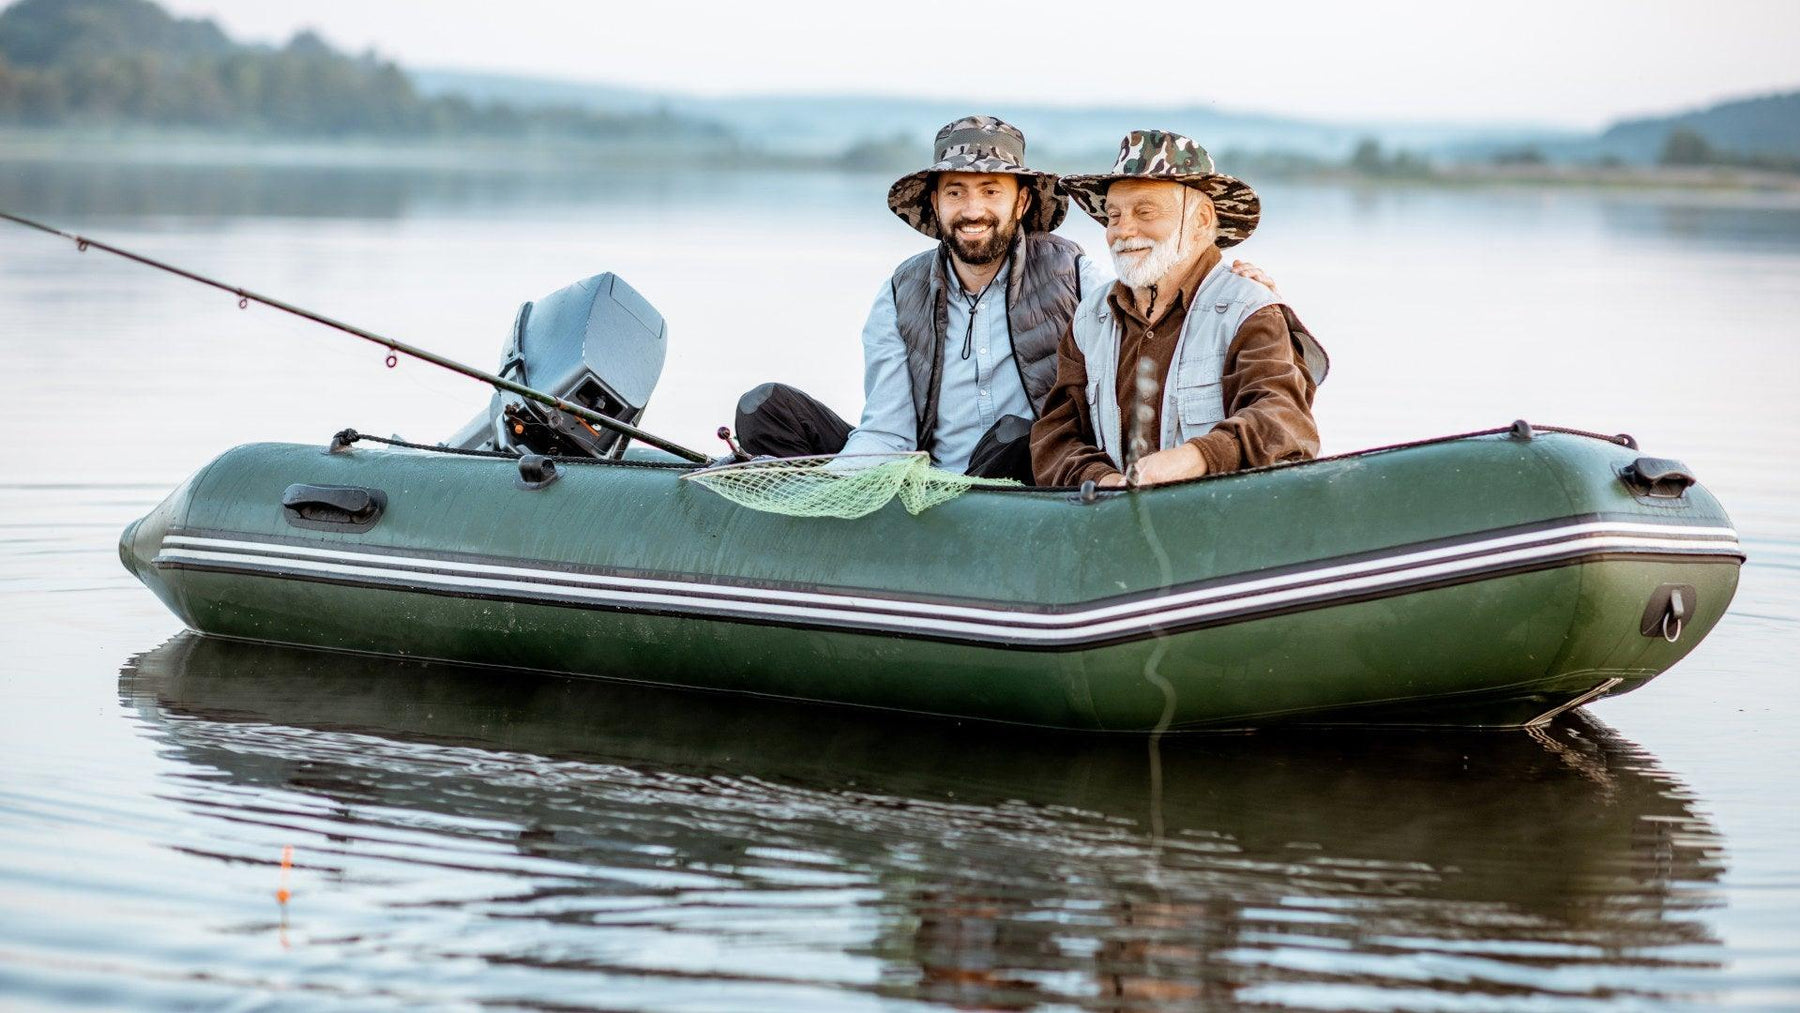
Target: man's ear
1209	213
1027	194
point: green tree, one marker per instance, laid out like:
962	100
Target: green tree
1367	158
1685	146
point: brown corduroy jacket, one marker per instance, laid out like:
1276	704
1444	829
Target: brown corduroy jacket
1267	390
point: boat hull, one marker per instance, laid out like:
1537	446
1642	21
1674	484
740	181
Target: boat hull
1487	581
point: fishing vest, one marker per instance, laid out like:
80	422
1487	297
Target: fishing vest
1043	288
1195	402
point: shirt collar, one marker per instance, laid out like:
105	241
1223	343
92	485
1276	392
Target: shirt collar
1123	303
953	285
996	285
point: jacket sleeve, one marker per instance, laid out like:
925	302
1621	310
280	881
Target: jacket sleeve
1063	448
888	424
1268	394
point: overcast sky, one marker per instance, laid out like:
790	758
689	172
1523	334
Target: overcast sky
1577	63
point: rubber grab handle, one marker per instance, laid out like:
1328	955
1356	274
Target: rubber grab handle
319	505
1658	476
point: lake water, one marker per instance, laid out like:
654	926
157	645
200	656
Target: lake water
466	840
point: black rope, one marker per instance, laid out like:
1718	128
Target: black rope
344	438
1620	439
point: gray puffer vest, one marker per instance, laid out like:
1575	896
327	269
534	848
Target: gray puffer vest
1043	289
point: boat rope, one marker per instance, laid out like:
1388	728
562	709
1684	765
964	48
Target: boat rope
395	348
344	438
1619	439
1622	439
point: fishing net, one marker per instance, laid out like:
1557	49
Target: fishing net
844	486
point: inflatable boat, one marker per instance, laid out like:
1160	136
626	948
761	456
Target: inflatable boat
1494	579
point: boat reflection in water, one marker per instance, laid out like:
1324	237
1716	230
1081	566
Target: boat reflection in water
618	845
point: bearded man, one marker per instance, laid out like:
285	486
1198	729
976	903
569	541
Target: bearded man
959	351
1181	368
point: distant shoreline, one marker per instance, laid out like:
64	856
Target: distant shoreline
150	147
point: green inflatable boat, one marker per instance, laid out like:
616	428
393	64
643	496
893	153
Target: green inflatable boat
1495	579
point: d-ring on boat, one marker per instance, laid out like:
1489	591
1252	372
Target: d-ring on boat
1492	579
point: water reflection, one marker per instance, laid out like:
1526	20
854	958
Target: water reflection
61	189
320	186
591	828
1734	223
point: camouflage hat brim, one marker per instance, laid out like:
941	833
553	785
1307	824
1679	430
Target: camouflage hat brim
910	196
1239	208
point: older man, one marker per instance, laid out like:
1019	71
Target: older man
959	351
1181	368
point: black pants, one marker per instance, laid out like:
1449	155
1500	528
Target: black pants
781	421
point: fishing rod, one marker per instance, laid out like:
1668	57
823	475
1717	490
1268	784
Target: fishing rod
245	297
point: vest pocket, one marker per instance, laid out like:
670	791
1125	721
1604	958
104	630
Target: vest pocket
1201	406
1199	371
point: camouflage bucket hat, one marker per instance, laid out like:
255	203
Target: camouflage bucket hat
1158	154
978	144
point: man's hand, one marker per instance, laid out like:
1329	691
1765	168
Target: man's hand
1245	269
1112	481
1171	465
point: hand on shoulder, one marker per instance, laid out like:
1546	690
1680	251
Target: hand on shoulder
1245	269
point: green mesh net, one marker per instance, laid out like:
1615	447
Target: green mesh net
843	486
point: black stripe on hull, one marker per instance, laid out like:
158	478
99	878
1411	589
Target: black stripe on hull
999	640
710	586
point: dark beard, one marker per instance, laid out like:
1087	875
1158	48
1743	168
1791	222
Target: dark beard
981	252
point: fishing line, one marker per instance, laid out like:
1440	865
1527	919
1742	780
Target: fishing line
1152	673
395	348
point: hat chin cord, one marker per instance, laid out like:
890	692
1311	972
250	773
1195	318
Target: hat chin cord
1181	236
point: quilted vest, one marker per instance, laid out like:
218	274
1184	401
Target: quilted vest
1043	288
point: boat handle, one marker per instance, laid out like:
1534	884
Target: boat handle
1657	476
333	507
1668	610
536	471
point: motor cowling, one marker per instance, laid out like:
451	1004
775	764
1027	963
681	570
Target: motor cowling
597	343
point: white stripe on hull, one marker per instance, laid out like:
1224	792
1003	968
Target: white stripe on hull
1068	627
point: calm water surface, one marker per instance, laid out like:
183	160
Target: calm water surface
467	839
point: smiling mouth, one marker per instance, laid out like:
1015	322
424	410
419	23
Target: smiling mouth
973	230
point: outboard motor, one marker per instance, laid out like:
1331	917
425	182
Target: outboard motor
597	343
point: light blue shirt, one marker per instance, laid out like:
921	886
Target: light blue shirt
976	390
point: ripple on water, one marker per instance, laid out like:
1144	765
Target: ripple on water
549	841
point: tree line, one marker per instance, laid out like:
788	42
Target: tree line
119	62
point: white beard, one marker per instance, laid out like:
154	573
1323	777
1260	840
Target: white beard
1148	269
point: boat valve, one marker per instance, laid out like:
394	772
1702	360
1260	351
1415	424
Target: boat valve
536	471
1668	611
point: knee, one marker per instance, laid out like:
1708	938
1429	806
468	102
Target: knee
1012	428
754	399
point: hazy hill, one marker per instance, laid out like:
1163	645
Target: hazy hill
1061	136
1769	125
49	33
130	63
111	63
